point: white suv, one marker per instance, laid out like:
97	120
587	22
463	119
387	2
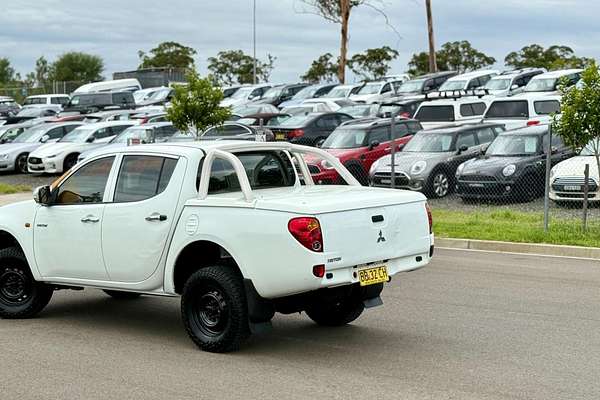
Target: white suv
523	110
46	99
468	80
436	113
376	92
511	82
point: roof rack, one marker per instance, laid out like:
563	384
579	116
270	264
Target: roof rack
522	70
457	94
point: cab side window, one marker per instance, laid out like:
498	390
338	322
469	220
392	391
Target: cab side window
87	184
55	133
143	177
386	88
380	134
465	139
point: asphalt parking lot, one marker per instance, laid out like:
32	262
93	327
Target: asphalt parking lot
472	325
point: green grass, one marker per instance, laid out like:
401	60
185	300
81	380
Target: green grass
10	189
511	226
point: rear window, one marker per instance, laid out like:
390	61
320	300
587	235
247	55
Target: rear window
468	110
435	114
546	107
508	109
265	170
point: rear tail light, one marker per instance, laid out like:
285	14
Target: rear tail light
532	123
307	231
404	115
429	217
319	271
295	133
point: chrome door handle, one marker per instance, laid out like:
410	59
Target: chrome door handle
90	218
156	217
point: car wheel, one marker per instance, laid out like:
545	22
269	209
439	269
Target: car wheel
214	309
21	164
20	295
439	184
359	173
119	295
70	161
336	313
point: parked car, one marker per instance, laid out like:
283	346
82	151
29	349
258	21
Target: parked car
428	162
376	92
59	157
424	84
548	82
468	80
517	112
118	85
150	117
266	118
513	166
358	145
153	96
8	107
114	115
511	82
245	95
343	91
94	102
436	113
309	92
13	155
236	209
567	178
237	131
46	99
280	93
32	112
311	129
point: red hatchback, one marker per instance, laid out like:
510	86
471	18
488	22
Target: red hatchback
358	145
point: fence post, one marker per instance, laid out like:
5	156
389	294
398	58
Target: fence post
586	189
547	185
393	152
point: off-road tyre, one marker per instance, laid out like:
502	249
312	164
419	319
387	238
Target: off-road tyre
21	296
214	309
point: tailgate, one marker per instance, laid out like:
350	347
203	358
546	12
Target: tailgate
375	234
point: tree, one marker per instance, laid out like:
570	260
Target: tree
7	73
373	63
168	54
552	58
337	11
76	66
232	66
453	56
41	71
579	122
321	70
196	106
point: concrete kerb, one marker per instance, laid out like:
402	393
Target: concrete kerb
524	248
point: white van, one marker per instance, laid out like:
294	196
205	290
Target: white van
46	99
118	85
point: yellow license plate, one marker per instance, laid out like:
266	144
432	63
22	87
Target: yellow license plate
371	276
279	136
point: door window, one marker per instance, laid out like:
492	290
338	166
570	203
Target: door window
87	184
401	130
485	135
55	133
465	139
143	177
386	88
115	130
101	133
327	122
380	134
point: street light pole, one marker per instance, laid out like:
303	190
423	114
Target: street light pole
254	40
432	56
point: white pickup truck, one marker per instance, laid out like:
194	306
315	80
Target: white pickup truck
237	229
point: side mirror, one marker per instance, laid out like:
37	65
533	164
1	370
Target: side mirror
42	195
554	150
514	87
90	139
44	139
400	146
373	144
463	148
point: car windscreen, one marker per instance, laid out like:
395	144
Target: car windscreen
453	85
430	142
370	88
264	169
242	93
273	93
546	107
432	113
541	85
338	92
31	135
78	135
360	110
134	132
592	148
411	86
497	84
514	145
345	139
508	109
30	112
296	120
306	93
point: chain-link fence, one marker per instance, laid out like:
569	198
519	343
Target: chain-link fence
20	92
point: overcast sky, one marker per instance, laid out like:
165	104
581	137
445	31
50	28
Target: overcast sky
116	30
